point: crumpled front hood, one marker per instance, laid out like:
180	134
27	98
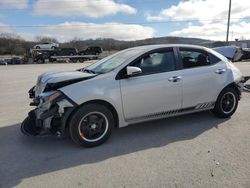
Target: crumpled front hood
56	76
54	80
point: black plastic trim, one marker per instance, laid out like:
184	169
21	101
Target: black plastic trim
163	114
50	112
65	119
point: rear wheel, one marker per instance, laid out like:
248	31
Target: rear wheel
226	103
73	60
40	61
91	125
81	60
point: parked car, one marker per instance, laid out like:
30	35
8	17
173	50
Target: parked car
233	53
64	52
47	45
14	61
246	54
134	85
3	62
91	50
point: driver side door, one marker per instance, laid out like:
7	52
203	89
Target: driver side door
157	91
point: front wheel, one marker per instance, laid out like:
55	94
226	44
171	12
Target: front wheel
91	125
226	103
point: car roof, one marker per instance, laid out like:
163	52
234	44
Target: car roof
156	46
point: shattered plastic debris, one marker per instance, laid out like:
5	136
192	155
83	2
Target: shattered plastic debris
212	173
216	162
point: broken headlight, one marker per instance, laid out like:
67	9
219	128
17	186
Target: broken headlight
49	96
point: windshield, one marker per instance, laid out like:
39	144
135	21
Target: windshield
112	62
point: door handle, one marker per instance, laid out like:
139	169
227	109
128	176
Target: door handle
220	71
175	79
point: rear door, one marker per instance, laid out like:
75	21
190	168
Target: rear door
157	91
204	76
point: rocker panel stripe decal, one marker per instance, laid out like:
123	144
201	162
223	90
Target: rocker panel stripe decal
173	112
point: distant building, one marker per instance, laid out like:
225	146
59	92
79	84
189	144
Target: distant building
241	43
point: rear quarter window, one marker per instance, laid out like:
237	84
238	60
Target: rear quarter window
192	58
213	59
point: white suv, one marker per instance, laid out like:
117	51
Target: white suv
134	85
46	45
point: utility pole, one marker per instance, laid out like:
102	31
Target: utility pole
228	21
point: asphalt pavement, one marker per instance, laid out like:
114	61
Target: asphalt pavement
197	150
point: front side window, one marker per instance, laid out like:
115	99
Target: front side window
194	58
156	62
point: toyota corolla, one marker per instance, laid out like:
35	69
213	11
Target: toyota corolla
133	85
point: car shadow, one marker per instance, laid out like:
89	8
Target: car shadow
24	157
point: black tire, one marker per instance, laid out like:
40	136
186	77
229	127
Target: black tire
40	61
81	60
53	47
38	47
225	108
81	119
28	126
73	60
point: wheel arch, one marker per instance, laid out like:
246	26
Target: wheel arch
96	101
235	87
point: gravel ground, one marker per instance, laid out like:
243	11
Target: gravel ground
196	150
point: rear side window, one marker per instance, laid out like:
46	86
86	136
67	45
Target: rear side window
194	58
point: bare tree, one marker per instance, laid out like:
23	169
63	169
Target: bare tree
42	39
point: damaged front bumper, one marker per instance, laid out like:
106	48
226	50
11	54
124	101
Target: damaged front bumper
50	116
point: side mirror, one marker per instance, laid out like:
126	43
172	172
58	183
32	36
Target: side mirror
131	71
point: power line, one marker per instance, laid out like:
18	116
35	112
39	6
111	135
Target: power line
84	1
74	7
74	3
112	23
47	1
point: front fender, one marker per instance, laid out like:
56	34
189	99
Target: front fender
102	87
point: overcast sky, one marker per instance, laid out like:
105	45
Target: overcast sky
124	19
